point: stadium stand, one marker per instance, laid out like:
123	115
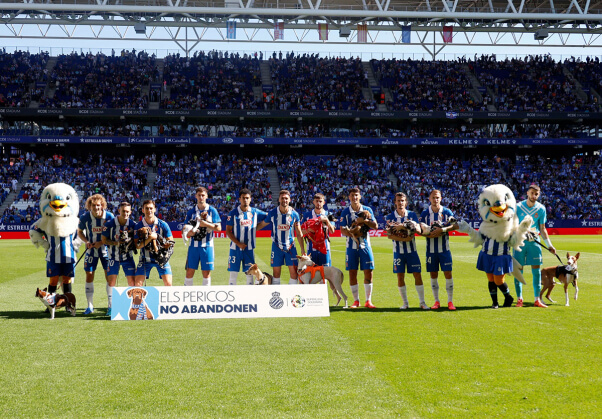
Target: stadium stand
17	72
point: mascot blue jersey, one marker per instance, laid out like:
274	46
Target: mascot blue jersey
537	212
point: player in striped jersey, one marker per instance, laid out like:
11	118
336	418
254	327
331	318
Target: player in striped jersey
241	228
285	224
110	237
201	251
438	253
90	229
318	257
405	256
358	256
146	262
531	253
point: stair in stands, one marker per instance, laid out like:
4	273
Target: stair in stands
50	88
151	176
274	183
14	194
373	83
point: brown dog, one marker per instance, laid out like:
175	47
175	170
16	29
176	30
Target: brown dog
358	230
144	234
566	274
52	301
261	278
139	310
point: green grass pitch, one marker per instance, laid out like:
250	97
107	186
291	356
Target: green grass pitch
474	362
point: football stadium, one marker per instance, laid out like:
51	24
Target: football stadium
160	160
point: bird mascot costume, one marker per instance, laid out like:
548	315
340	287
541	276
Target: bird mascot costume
498	234
56	232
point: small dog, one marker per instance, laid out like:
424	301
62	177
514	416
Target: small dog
126	242
405	229
193	223
567	274
139	310
160	249
52	301
358	231
261	278
311	274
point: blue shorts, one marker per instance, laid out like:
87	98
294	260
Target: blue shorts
237	257
406	261
280	257
359	258
436	260
129	267
145	268
91	262
60	269
530	254
497	265
200	255
320	258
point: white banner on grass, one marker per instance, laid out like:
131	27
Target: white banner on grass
240	301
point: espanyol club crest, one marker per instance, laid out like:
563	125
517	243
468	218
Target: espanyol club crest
276	302
289	219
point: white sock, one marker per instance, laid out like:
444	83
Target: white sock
275	281
189	282
404	294
207	281
420	291
109	294
355	290
435	287
250	279
90	293
233	277
368	289
449	287
293	281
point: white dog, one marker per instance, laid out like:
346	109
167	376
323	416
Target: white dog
311	274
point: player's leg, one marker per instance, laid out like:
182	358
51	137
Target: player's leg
414	267
401	286
248	259
500	282
112	274
234	262
445	259
432	266
104	260
142	272
276	261
90	264
193	259
165	274
367	265
290	259
492	290
535	259
207	263
352	260
520	257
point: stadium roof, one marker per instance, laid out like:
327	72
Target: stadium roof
538	21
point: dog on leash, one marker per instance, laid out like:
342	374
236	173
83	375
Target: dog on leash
566	274
261	278
309	273
139	310
52	301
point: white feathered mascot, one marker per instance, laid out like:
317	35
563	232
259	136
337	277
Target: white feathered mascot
56	232
498	234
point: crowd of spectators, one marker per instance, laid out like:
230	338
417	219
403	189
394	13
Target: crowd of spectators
213	80
309	82
589	74
426	85
18	71
102	81
532	84
11	172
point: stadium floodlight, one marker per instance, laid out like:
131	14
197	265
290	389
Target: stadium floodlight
541	34
140	28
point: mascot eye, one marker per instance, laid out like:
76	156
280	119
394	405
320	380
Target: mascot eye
486	202
48	196
68	197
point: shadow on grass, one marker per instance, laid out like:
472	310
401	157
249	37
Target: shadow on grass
411	309
59	313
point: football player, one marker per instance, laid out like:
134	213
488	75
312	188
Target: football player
318	257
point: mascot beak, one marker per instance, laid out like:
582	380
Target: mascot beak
57	205
499	210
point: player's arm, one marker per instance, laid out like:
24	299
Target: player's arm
327	223
232	237
106	240
371	223
82	235
546	238
344	232
299	235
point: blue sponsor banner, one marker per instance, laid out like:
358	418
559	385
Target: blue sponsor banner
14	139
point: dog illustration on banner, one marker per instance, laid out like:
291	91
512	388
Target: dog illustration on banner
139	309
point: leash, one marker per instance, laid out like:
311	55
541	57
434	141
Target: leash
548	249
80	258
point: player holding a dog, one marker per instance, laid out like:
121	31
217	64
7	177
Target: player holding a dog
285	224
531	253
146	262
112	231
241	228
435	226
405	256
318	257
205	220
358	256
90	230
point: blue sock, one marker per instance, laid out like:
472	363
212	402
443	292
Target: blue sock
518	286
536	282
